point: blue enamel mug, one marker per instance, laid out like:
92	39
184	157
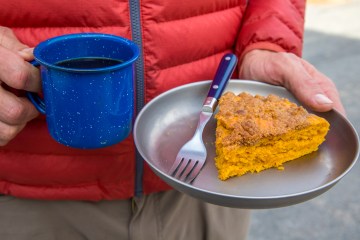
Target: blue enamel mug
88	88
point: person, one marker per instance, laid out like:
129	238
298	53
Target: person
50	191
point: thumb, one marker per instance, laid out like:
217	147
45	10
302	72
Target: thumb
27	53
312	88
308	91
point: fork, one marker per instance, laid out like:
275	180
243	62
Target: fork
192	156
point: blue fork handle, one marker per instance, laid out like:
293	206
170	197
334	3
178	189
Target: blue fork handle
223	74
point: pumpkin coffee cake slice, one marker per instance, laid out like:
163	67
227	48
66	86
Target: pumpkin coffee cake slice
254	133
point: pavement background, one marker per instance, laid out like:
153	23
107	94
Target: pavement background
332	45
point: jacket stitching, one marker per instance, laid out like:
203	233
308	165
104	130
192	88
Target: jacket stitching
297	8
199	15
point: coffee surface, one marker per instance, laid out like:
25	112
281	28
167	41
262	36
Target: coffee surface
88	63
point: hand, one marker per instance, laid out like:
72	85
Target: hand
309	86
17	73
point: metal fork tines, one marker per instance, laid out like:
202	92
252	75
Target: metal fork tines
192	156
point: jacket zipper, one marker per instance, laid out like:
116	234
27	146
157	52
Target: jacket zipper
135	22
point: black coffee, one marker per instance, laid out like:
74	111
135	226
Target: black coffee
88	63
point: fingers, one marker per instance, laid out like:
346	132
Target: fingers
17	73
14	71
9	40
337	102
300	80
8	132
312	88
328	89
15	112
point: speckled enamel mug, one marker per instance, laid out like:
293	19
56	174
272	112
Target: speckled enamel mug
88	92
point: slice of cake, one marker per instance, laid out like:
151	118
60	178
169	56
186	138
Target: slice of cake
255	133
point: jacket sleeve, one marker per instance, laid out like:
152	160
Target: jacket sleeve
275	25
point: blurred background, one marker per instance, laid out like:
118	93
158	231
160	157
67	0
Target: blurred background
332	45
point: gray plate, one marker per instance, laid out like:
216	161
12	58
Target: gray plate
169	120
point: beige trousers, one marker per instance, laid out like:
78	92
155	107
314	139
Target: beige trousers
162	216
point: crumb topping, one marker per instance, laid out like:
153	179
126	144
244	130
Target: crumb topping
249	118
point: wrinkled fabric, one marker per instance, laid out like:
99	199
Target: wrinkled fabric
152	217
183	42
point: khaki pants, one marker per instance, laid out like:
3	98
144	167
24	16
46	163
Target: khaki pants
162	216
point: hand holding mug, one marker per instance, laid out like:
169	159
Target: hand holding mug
87	83
16	73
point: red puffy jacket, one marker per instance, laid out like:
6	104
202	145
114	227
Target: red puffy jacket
181	42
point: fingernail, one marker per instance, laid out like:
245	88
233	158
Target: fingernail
26	53
322	99
26	50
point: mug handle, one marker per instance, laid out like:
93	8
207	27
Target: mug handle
34	97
